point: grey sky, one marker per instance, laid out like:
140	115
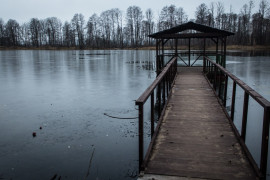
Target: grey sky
24	10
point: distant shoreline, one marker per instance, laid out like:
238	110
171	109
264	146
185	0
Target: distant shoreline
229	47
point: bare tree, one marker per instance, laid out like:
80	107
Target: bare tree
12	32
69	36
181	16
78	26
93	31
119	22
109	30
201	14
260	25
35	28
53	29
210	17
149	29
168	17
106	26
2	32
263	8
220	11
134	18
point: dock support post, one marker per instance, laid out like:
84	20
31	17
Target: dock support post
244	118
140	136
157	57
225	90
152	113
233	100
204	55
217	51
265	141
159	100
224	56
215	78
175	51
162	51
189	52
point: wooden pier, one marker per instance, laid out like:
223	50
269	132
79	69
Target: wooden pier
195	138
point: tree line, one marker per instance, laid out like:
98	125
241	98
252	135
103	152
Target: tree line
116	29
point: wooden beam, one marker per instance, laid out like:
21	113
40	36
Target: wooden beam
192	35
176	44
189	52
204	48
214	40
225	51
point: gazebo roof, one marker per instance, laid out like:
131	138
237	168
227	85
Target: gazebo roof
204	32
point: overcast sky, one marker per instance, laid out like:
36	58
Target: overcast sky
24	10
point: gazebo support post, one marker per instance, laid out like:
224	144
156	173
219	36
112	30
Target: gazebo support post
217	51
204	55
188	51
224	55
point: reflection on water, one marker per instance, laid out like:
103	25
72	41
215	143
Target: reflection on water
68	98
254	71
248	53
62	97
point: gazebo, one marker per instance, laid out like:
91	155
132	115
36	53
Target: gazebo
190	31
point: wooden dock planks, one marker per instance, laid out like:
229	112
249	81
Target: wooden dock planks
195	139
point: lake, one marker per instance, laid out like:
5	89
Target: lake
81	107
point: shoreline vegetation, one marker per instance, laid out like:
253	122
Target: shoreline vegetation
229	47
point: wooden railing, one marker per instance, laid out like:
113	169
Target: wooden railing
162	84
180	54
218	77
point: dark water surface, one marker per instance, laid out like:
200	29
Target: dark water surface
71	94
67	93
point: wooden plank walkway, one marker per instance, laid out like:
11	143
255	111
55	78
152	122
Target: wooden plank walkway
195	139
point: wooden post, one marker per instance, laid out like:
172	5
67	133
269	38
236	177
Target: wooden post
189	52
265	141
204	55
217	51
159	100
141	143
176	44
233	100
244	117
162	59
219	84
163	92
225	91
167	84
222	51
157	57
224	55
215	77
152	113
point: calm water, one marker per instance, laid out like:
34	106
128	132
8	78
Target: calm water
71	94
254	71
67	93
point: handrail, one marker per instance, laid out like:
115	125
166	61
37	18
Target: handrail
218	76
151	88
260	99
192	52
163	84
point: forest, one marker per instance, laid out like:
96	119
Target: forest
130	29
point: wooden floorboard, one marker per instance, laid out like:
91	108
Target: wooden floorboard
195	139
